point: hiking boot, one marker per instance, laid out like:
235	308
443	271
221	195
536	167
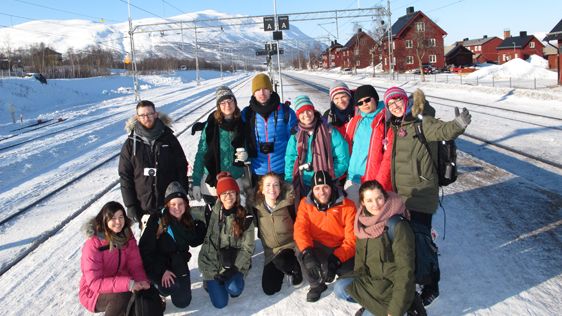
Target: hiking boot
360	311
314	293
296	277
416	309
429	294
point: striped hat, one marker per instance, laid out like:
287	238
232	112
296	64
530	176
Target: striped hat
395	93
302	103
338	87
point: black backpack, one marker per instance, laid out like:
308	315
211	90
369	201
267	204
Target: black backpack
427	261
446	162
146	303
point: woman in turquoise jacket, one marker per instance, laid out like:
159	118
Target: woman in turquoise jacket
314	146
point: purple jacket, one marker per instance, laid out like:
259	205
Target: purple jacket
105	271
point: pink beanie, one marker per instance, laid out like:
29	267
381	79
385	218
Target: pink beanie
395	93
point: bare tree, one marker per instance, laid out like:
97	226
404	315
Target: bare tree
424	43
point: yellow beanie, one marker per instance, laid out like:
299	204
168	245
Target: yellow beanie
261	81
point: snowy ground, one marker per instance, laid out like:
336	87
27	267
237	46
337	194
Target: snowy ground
502	253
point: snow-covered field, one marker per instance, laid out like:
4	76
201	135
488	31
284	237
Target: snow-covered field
502	252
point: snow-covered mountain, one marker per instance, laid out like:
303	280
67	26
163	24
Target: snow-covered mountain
232	36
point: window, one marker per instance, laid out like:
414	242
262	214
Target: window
479	48
409	60
433	59
516	55
531	45
385	61
409	44
431	42
420	26
358	63
393	47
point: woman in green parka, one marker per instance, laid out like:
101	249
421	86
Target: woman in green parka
275	213
221	147
383	277
226	254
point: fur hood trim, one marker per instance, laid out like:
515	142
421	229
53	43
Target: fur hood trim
89	228
130	124
419	102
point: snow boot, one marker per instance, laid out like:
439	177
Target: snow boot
429	294
360	311
314	293
417	308
296	277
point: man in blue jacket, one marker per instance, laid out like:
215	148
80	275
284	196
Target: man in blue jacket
268	125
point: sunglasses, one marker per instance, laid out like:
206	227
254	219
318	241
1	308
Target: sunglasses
367	100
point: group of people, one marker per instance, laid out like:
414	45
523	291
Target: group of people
319	188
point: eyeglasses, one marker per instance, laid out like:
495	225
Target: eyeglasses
395	103
230	193
145	116
367	100
226	102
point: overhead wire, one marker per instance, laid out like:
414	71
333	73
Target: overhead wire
62	10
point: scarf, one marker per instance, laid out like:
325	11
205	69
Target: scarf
322	158
212	136
340	117
371	226
119	240
271	106
150	135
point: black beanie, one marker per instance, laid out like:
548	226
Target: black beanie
321	177
175	190
365	91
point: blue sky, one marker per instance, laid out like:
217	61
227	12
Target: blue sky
459	18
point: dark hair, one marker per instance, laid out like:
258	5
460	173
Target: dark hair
145	103
259	195
106	214
186	218
219	116
371	185
239	217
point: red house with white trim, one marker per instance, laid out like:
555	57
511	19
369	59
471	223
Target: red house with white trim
521	46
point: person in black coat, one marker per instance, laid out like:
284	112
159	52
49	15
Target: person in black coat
150	159
164	246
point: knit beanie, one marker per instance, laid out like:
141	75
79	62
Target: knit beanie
321	177
366	91
223	93
395	93
338	87
302	103
261	81
175	190
225	182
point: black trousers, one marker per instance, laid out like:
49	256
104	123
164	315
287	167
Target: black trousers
425	219
273	273
180	291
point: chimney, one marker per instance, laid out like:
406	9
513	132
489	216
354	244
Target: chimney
409	10
485	36
465	39
523	33
506	33
359	30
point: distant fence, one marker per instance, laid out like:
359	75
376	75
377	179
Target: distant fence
535	83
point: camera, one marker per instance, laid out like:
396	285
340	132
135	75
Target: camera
150	172
267	147
306	167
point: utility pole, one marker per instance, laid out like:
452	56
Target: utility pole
134	63
278	56
390	65
196	56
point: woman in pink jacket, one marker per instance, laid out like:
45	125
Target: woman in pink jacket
111	264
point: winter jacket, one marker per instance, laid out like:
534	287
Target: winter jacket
226	156
384	280
413	174
219	236
275	228
142	193
380	156
332	228
164	253
271	130
107	271
361	133
340	152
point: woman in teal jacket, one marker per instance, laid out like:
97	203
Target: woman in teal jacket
314	146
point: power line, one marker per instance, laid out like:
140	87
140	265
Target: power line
171	5
61	10
146	11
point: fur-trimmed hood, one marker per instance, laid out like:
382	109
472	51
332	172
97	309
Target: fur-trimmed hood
286	198
89	228
130	124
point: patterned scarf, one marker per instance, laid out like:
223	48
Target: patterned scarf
372	226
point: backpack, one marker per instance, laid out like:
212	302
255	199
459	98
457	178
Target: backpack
427	261
145	303
446	165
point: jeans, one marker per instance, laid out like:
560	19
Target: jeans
219	292
341	293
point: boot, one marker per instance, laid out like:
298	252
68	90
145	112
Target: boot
360	311
417	308
430	293
314	293
296	277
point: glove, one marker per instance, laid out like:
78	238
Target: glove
304	167
241	154
196	192
311	265
463	118
347	184
333	265
226	275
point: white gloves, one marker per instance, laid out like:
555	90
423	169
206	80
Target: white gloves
196	192
241	154
347	184
305	167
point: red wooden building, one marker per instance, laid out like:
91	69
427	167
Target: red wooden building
415	36
521	46
356	53
484	49
556	35
333	53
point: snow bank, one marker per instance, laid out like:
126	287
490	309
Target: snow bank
515	68
538	61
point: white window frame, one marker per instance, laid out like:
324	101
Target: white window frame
409	60
420	26
431	42
409	44
432	59
532	44
358	62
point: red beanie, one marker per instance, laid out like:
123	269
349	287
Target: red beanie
225	182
